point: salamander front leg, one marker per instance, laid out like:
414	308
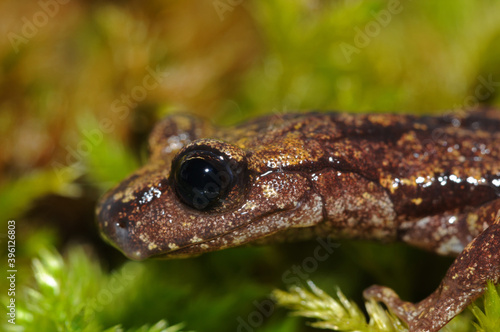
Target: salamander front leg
464	282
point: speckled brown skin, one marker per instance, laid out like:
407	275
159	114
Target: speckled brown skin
432	182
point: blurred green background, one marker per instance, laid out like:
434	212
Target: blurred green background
68	68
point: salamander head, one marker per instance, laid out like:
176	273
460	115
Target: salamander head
197	195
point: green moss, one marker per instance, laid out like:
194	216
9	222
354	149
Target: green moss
489	317
341	314
72	295
75	294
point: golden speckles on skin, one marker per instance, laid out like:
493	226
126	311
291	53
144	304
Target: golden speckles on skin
173	246
290	150
380	119
367	196
471	269
249	205
390	183
387	182
229	149
407	138
417	201
152	246
124	196
204	246
144	238
281	205
420	126
118	196
409	181
196	239
472	221
269	191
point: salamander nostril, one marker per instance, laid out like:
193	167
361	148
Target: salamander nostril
121	223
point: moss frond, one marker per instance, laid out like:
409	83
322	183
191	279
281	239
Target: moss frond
161	326
340	313
72	295
489	317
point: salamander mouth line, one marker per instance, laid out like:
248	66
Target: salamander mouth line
300	202
251	221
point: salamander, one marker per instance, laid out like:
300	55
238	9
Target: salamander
430	181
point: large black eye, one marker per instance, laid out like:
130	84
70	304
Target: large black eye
202	179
